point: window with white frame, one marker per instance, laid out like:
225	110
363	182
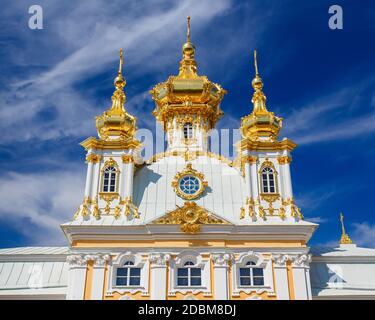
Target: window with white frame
109	179
128	275
268	180
189	275
252	271
251	275
188	130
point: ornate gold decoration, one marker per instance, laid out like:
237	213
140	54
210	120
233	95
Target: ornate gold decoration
188	94
270	198
110	163
262	213
250	202
76	214
117	212
96	211
109	196
130	207
189	171
249	159
127	158
260	124
345	239
284	159
250	145
282	214
242	213
94	158
116	122
93	143
268	164
190	217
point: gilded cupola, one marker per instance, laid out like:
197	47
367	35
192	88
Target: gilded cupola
188	94
116	123
260	124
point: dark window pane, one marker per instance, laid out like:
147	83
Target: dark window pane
258	281
182	272
258	272
135	272
122	272
265	189
106	175
129	263
244	272
195	272
134	281
250	263
245	281
272	189
182	281
112	189
195	281
121	282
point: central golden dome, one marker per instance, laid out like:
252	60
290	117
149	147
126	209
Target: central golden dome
188	93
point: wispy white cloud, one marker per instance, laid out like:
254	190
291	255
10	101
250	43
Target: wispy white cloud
364	234
41	202
145	32
321	120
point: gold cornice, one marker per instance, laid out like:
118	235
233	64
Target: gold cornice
248	145
93	143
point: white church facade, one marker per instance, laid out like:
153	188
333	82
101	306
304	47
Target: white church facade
188	223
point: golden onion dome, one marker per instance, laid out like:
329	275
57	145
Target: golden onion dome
188	92
260	124
116	123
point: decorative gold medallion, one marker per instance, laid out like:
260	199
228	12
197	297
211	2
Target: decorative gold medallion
189	184
190	217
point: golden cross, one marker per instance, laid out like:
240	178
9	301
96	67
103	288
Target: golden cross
342	223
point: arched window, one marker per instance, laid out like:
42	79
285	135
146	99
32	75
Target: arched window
188	130
109	179
128	275
189	275
251	275
268	180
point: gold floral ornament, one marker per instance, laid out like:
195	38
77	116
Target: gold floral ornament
190	217
116	123
189	184
261	124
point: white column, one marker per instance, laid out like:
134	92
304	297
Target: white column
249	191
281	277
95	180
98	276
77	277
221	277
287	180
254	180
158	267
88	178
301	277
129	179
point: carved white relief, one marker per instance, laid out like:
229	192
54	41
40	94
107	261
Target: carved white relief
159	259
280	259
76	260
221	259
302	260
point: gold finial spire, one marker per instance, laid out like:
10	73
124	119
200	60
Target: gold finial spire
256	63
121	62
188	29
345	239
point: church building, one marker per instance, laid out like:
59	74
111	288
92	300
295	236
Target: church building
188	223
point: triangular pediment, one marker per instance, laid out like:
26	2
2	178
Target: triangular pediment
190	217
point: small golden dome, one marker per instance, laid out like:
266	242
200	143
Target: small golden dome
116	123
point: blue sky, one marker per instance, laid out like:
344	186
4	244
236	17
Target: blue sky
54	81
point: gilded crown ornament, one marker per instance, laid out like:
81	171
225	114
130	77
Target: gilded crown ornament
188	94
116	123
261	124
